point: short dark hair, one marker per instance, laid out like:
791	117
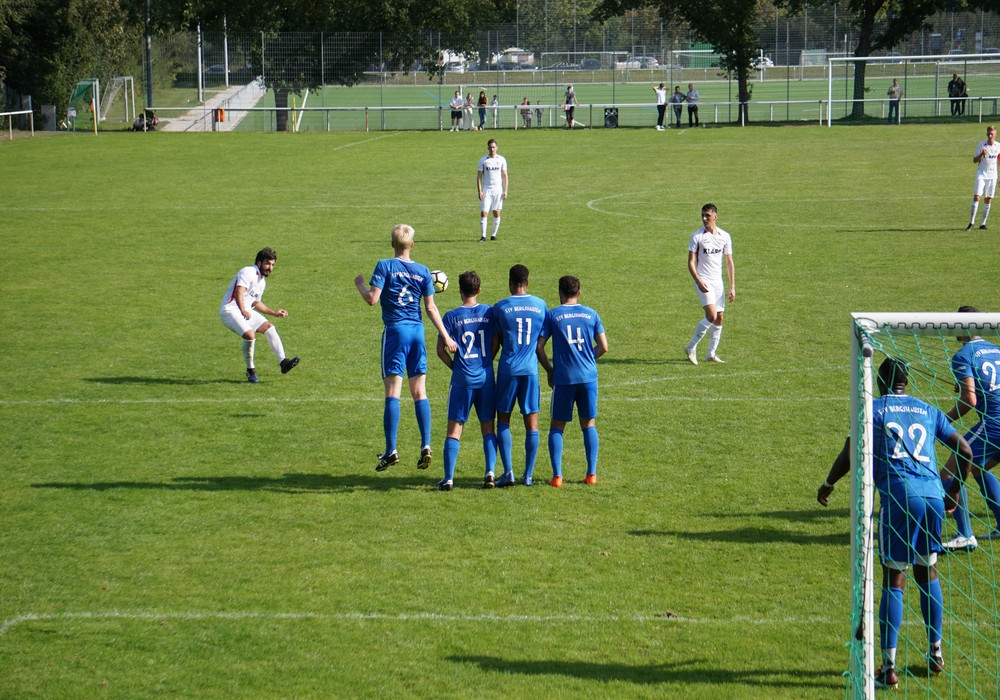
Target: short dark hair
709	207
265	254
518	275
892	373
490	141
569	286
968	310
469	283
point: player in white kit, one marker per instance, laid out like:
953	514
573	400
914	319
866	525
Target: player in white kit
708	248
491	181
986	176
241	312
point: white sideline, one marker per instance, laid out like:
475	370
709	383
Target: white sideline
406	617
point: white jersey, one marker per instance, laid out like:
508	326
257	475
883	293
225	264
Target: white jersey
709	249
988	165
661	96
491	168
457	102
253	282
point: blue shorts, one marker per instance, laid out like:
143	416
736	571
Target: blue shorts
583	395
909	526
461	400
403	348
523	389
984	445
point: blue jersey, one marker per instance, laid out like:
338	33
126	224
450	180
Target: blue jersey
980	360
903	432
403	283
518	320
573	329
471	327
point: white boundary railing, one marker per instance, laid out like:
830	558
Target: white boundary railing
10	121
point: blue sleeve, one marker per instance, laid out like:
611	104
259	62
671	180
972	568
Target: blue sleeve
379	275
546	326
961	365
598	325
943	429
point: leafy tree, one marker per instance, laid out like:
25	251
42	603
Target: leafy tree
730	26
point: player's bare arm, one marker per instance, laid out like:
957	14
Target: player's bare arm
543	360
238	296
731	272
841	465
479	184
503	175
601	346
966	399
268	311
693	269
443	353
435	316
371	295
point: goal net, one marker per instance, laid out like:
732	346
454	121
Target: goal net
971	599
858	88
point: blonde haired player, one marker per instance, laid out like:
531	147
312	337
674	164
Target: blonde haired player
709	247
491	181
398	284
986	176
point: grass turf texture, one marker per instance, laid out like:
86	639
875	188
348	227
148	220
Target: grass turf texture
169	530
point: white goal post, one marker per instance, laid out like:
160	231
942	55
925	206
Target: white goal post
871	333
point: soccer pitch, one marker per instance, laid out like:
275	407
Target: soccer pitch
169	530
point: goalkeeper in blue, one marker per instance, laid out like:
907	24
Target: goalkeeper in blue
976	367
472	383
578	339
398	284
518	320
912	507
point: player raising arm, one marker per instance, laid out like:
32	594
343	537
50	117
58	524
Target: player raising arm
398	284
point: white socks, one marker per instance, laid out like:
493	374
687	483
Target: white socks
275	342
699	332
482	226
972	216
986	213
248	352
496	225
714	334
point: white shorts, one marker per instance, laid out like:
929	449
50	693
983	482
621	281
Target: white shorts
492	200
985	187
716	295
234	321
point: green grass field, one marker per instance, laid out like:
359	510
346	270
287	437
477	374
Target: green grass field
168	530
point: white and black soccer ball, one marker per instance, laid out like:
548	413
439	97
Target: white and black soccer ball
440	280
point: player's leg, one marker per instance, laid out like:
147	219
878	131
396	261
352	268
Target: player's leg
234	321
496	217
985	452
586	408
485	403
927	546
964	540
977	192
452	443
991	186
529	398
274	341
556	429
506	395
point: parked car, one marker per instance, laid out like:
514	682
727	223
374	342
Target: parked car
217	69
590	64
759	62
647	61
956	52
991	50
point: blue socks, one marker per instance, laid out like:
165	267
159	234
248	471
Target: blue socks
503	437
451	447
530	453
423	410
890	617
591	443
555	450
390	423
932	608
490	452
990	487
961	514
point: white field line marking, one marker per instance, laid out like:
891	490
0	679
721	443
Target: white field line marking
405	617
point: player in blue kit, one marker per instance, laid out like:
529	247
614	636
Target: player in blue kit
578	339
472	383
518	320
976	368
912	507
398	284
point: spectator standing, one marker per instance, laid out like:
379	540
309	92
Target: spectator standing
692	102
677	100
661	105
956	88
482	104
895	93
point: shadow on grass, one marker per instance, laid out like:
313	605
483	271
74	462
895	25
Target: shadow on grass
692	672
639	361
796	516
751	535
168	381
288	483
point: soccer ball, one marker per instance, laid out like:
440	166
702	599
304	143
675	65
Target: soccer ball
440	280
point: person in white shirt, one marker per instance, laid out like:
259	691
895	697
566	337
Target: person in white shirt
241	312
491	181
708	248
986	176
457	104
661	105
